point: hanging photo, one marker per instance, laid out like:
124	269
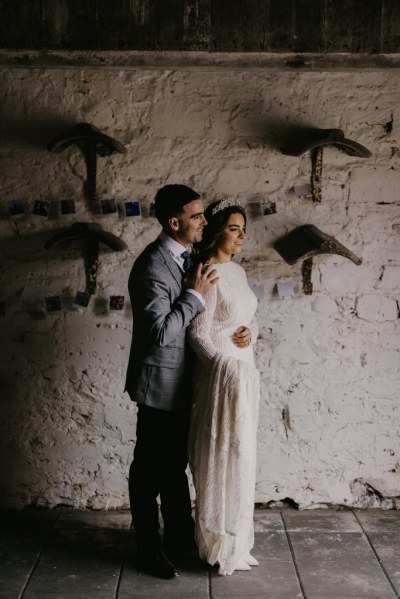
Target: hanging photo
117	302
81	300
254	209
53	303
268	208
41	208
67	207
285	289
16	208
258	291
32	300
303	191
31	295
133	209
108	207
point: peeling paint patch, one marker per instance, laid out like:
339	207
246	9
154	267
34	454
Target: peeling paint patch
286	420
388	127
287	502
368	495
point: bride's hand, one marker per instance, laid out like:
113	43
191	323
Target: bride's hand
242	337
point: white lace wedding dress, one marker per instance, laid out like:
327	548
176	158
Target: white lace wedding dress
222	445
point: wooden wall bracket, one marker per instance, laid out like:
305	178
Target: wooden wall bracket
316	174
305	242
306	270
92	235
314	140
91	142
307	138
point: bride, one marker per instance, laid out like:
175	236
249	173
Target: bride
222	446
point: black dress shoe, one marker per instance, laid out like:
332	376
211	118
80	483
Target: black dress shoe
156	565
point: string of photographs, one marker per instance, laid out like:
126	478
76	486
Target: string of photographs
31	297
128	209
44	208
34	301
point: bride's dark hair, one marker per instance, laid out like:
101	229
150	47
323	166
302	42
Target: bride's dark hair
206	248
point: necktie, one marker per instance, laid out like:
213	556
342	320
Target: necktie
187	261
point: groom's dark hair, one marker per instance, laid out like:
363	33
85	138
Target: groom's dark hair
171	199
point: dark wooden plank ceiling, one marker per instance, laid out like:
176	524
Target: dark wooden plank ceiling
322	26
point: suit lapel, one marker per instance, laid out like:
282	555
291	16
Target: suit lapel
170	262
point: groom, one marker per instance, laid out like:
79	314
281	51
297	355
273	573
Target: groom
159	377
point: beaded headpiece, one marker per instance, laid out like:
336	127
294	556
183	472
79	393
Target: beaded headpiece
226	203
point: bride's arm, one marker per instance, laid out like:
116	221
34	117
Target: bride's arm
199	330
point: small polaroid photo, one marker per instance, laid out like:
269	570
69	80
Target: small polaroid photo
2	308
81	300
16	208
132	209
254	208
41	208
258	291
53	303
108	207
268	208
303	191
285	289
117	302
31	295
67	207
152	210
32	300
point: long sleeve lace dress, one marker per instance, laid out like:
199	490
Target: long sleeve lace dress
222	445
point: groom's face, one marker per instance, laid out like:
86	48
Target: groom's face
188	227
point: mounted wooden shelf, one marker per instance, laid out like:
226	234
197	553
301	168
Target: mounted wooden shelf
314	140
305	242
91	142
92	235
309	139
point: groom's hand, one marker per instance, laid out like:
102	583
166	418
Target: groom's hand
242	337
202	279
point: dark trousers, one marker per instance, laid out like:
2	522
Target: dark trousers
158	468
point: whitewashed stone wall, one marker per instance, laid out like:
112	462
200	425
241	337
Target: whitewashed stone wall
329	418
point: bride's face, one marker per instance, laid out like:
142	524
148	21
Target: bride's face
232	237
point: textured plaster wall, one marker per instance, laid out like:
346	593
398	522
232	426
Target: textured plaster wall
329	362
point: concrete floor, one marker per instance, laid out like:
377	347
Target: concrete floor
319	554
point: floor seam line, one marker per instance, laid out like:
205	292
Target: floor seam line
44	546
291	549
123	562
382	567
209	575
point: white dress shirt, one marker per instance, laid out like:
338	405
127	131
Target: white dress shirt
176	249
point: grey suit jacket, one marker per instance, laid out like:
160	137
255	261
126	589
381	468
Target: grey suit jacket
160	361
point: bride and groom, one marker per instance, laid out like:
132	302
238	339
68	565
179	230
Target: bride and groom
191	371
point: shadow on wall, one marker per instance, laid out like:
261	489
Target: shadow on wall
33	132
269	129
53	400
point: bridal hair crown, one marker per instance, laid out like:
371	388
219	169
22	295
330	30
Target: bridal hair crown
223	204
